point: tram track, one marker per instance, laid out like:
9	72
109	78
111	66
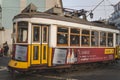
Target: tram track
66	74
59	75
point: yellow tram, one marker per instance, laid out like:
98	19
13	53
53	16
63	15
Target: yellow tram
42	40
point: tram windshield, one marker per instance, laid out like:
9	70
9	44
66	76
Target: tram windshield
22	32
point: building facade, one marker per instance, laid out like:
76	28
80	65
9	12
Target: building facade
115	19
10	8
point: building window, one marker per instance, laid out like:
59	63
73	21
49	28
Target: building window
102	39
110	39
75	37
85	37
62	36
94	38
22	32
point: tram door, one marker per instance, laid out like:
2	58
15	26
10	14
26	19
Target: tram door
39	44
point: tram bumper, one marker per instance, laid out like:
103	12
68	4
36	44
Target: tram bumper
17	65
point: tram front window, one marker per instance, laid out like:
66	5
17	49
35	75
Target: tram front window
22	32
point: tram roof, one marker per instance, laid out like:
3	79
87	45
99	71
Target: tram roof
26	13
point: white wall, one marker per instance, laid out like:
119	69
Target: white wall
52	3
22	4
6	36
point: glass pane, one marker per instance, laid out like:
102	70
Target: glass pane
14	33
103	39
110	42
62	38
77	31
44	54
65	30
85	40
103	34
85	37
94	38
45	31
62	35
85	32
22	31
110	35
117	39
36	52
74	39
110	39
36	34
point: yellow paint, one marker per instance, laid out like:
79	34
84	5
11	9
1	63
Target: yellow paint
18	64
38	60
50	57
117	52
29	53
44	53
31	61
109	51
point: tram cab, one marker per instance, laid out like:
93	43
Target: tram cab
30	45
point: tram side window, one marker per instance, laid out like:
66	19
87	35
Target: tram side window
85	37
110	40
36	32
102	39
94	38
14	33
22	31
75	37
62	36
117	39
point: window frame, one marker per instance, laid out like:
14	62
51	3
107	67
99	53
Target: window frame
37	26
101	36
108	43
75	34
18	34
85	36
44	26
97	41
63	33
14	32
36	54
